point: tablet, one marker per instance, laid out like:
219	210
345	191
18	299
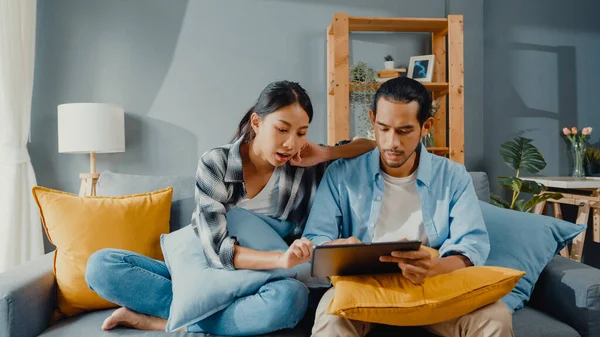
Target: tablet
357	259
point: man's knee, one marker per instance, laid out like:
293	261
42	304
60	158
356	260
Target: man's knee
493	320
497	313
333	325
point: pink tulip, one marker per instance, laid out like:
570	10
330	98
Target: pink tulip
586	131
574	130
566	131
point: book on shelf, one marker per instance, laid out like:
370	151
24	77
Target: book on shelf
391	73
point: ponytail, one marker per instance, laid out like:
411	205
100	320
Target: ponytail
244	129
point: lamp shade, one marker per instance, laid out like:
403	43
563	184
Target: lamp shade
91	127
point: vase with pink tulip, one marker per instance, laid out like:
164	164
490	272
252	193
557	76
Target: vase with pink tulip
578	145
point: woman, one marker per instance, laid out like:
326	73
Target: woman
270	171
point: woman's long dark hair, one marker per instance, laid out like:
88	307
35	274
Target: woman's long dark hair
275	96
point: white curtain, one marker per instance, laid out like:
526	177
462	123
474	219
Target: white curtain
20	228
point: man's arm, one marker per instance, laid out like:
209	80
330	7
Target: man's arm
468	234
325	217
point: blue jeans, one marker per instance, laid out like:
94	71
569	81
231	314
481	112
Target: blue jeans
144	285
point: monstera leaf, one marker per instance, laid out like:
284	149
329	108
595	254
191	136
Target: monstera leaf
521	155
499	201
519	185
536	199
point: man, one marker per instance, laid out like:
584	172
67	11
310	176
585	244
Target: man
400	191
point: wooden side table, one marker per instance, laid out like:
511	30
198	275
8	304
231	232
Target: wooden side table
581	192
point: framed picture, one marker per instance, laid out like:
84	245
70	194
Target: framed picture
420	68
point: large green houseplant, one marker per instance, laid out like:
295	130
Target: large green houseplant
522	156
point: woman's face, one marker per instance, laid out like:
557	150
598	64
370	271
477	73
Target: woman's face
280	134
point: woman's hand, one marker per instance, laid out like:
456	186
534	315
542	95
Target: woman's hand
311	154
300	251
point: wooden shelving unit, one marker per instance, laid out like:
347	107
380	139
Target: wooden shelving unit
448	75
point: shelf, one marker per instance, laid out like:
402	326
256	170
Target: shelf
377	24
438	88
439	150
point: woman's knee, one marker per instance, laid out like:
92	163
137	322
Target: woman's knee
290	301
99	268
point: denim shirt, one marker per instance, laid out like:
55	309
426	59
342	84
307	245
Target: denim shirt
349	197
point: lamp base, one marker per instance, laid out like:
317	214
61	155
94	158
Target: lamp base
88	184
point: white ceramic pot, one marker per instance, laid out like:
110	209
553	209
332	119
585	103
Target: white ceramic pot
388	64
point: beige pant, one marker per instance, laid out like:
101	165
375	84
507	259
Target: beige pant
494	320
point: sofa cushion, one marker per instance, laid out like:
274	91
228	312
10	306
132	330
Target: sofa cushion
79	226
116	184
524	241
199	290
531	322
89	325
482	185
392	299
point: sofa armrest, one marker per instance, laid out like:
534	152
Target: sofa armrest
27	298
570	291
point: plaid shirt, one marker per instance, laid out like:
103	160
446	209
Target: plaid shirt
220	186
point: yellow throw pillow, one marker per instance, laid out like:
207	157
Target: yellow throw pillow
79	226
392	299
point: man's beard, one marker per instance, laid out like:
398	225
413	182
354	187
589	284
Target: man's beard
402	158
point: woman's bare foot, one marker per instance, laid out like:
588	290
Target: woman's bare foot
132	319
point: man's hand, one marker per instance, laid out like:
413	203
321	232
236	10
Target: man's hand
348	241
415	265
311	154
300	251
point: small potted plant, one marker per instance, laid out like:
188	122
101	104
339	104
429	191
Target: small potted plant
592	160
389	62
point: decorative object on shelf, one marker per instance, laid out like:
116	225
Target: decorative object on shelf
420	68
389	62
384	75
361	72
428	139
578	146
90	128
592	160
522	156
361	98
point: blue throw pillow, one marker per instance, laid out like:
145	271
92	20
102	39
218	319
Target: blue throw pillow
199	290
524	241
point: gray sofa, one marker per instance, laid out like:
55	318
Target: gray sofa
565	302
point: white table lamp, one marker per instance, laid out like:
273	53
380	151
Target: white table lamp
90	128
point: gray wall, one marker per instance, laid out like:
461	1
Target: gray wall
541	74
186	71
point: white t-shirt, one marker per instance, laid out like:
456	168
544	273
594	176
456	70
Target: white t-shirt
400	215
265	202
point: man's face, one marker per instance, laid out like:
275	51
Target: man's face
397	131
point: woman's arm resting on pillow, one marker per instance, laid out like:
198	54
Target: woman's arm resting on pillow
299	252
